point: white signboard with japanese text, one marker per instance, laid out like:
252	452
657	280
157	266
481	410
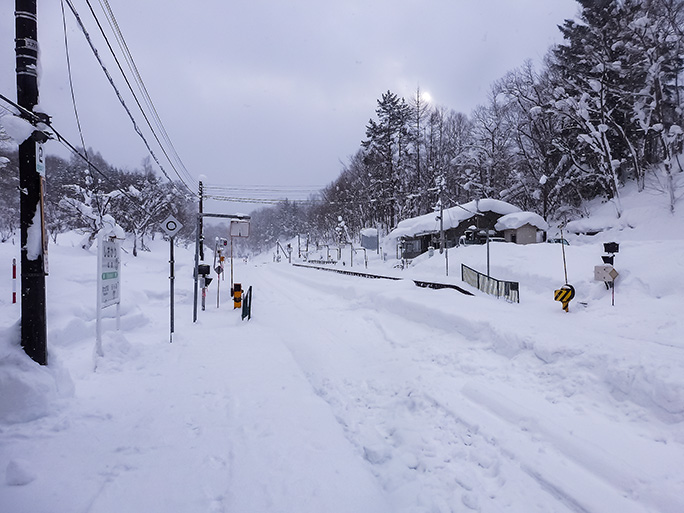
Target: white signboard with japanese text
108	282
109	272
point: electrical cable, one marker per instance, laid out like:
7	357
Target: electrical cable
267	201
263	188
143	90
118	94
71	82
137	101
113	23
75	151
71	89
60	138
32	118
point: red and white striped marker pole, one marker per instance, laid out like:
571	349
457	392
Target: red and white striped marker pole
14	280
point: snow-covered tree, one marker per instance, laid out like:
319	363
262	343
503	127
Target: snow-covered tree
618	92
387	146
9	195
153	197
654	39
492	156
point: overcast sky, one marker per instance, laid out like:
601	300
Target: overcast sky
263	92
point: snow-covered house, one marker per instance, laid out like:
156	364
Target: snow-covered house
522	227
413	236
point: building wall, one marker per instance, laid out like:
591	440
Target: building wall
526	234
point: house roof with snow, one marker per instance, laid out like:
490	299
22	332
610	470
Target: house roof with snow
429	223
517	220
369	232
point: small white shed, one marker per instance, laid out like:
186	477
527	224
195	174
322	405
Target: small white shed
522	227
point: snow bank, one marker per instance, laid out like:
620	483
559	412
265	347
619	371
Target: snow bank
29	390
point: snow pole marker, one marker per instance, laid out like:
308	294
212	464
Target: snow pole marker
567	291
14	280
565	295
565	265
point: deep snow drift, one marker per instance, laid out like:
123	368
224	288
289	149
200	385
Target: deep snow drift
348	395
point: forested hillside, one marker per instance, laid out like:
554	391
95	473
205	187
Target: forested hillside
604	109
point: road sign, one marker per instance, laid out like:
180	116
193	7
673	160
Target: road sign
606	273
171	226
239	228
611	247
40	159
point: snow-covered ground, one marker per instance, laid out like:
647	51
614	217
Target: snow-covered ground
344	394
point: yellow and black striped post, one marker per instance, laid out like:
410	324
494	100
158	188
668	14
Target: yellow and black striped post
237	295
564	295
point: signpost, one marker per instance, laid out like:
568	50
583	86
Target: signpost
171	226
198	245
108	281
607	274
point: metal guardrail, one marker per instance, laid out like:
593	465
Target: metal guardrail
510	290
418	283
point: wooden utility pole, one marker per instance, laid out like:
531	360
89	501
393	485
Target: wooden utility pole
31	174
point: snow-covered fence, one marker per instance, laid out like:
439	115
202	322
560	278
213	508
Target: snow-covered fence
506	289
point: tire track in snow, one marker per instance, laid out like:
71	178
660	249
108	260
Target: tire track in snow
564	453
417	449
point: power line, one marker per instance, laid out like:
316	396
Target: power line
130	198
266	201
265	187
114	25
71	82
268	192
118	94
33	119
129	60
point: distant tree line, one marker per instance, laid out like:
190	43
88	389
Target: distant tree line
605	108
77	197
